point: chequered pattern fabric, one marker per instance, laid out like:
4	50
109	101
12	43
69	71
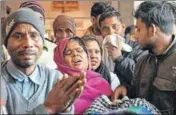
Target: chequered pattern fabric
103	105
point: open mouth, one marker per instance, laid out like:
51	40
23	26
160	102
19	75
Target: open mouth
77	62
93	62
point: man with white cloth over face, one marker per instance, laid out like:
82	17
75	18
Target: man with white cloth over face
119	59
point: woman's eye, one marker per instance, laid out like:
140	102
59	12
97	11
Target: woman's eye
67	52
97	51
80	50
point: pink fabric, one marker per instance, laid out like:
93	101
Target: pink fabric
94	87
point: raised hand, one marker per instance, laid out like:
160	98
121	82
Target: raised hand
65	92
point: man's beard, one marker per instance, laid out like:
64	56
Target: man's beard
24	65
148	47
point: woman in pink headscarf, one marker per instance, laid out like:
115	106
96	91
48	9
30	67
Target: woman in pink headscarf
71	57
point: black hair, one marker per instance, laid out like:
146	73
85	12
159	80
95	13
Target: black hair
109	12
98	8
92	38
173	5
129	29
159	13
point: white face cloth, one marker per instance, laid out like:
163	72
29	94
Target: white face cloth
116	41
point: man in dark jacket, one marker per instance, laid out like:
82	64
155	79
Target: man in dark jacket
155	73
123	63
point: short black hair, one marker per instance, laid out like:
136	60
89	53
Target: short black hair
129	29
110	12
159	13
87	38
98	8
173	5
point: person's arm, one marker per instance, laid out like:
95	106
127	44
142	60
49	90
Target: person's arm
131	90
62	96
133	87
125	66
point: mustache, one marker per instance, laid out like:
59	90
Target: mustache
27	51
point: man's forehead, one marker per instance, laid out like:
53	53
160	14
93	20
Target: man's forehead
63	28
113	19
24	26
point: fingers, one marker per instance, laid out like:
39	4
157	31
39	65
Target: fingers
82	74
57	84
77	86
119	91
75	94
71	85
75	78
116	94
67	82
124	91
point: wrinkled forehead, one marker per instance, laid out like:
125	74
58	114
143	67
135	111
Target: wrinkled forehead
24	27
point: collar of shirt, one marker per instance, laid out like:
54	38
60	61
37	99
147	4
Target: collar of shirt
20	76
171	45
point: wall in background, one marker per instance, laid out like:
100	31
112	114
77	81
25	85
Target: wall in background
82	15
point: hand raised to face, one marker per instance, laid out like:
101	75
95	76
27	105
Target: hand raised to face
65	92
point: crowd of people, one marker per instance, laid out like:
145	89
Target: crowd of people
68	74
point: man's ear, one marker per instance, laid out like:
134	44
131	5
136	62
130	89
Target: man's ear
123	29
93	19
152	30
123	26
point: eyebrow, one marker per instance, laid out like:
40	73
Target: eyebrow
34	32
17	32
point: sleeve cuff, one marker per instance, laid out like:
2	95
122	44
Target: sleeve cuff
40	110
